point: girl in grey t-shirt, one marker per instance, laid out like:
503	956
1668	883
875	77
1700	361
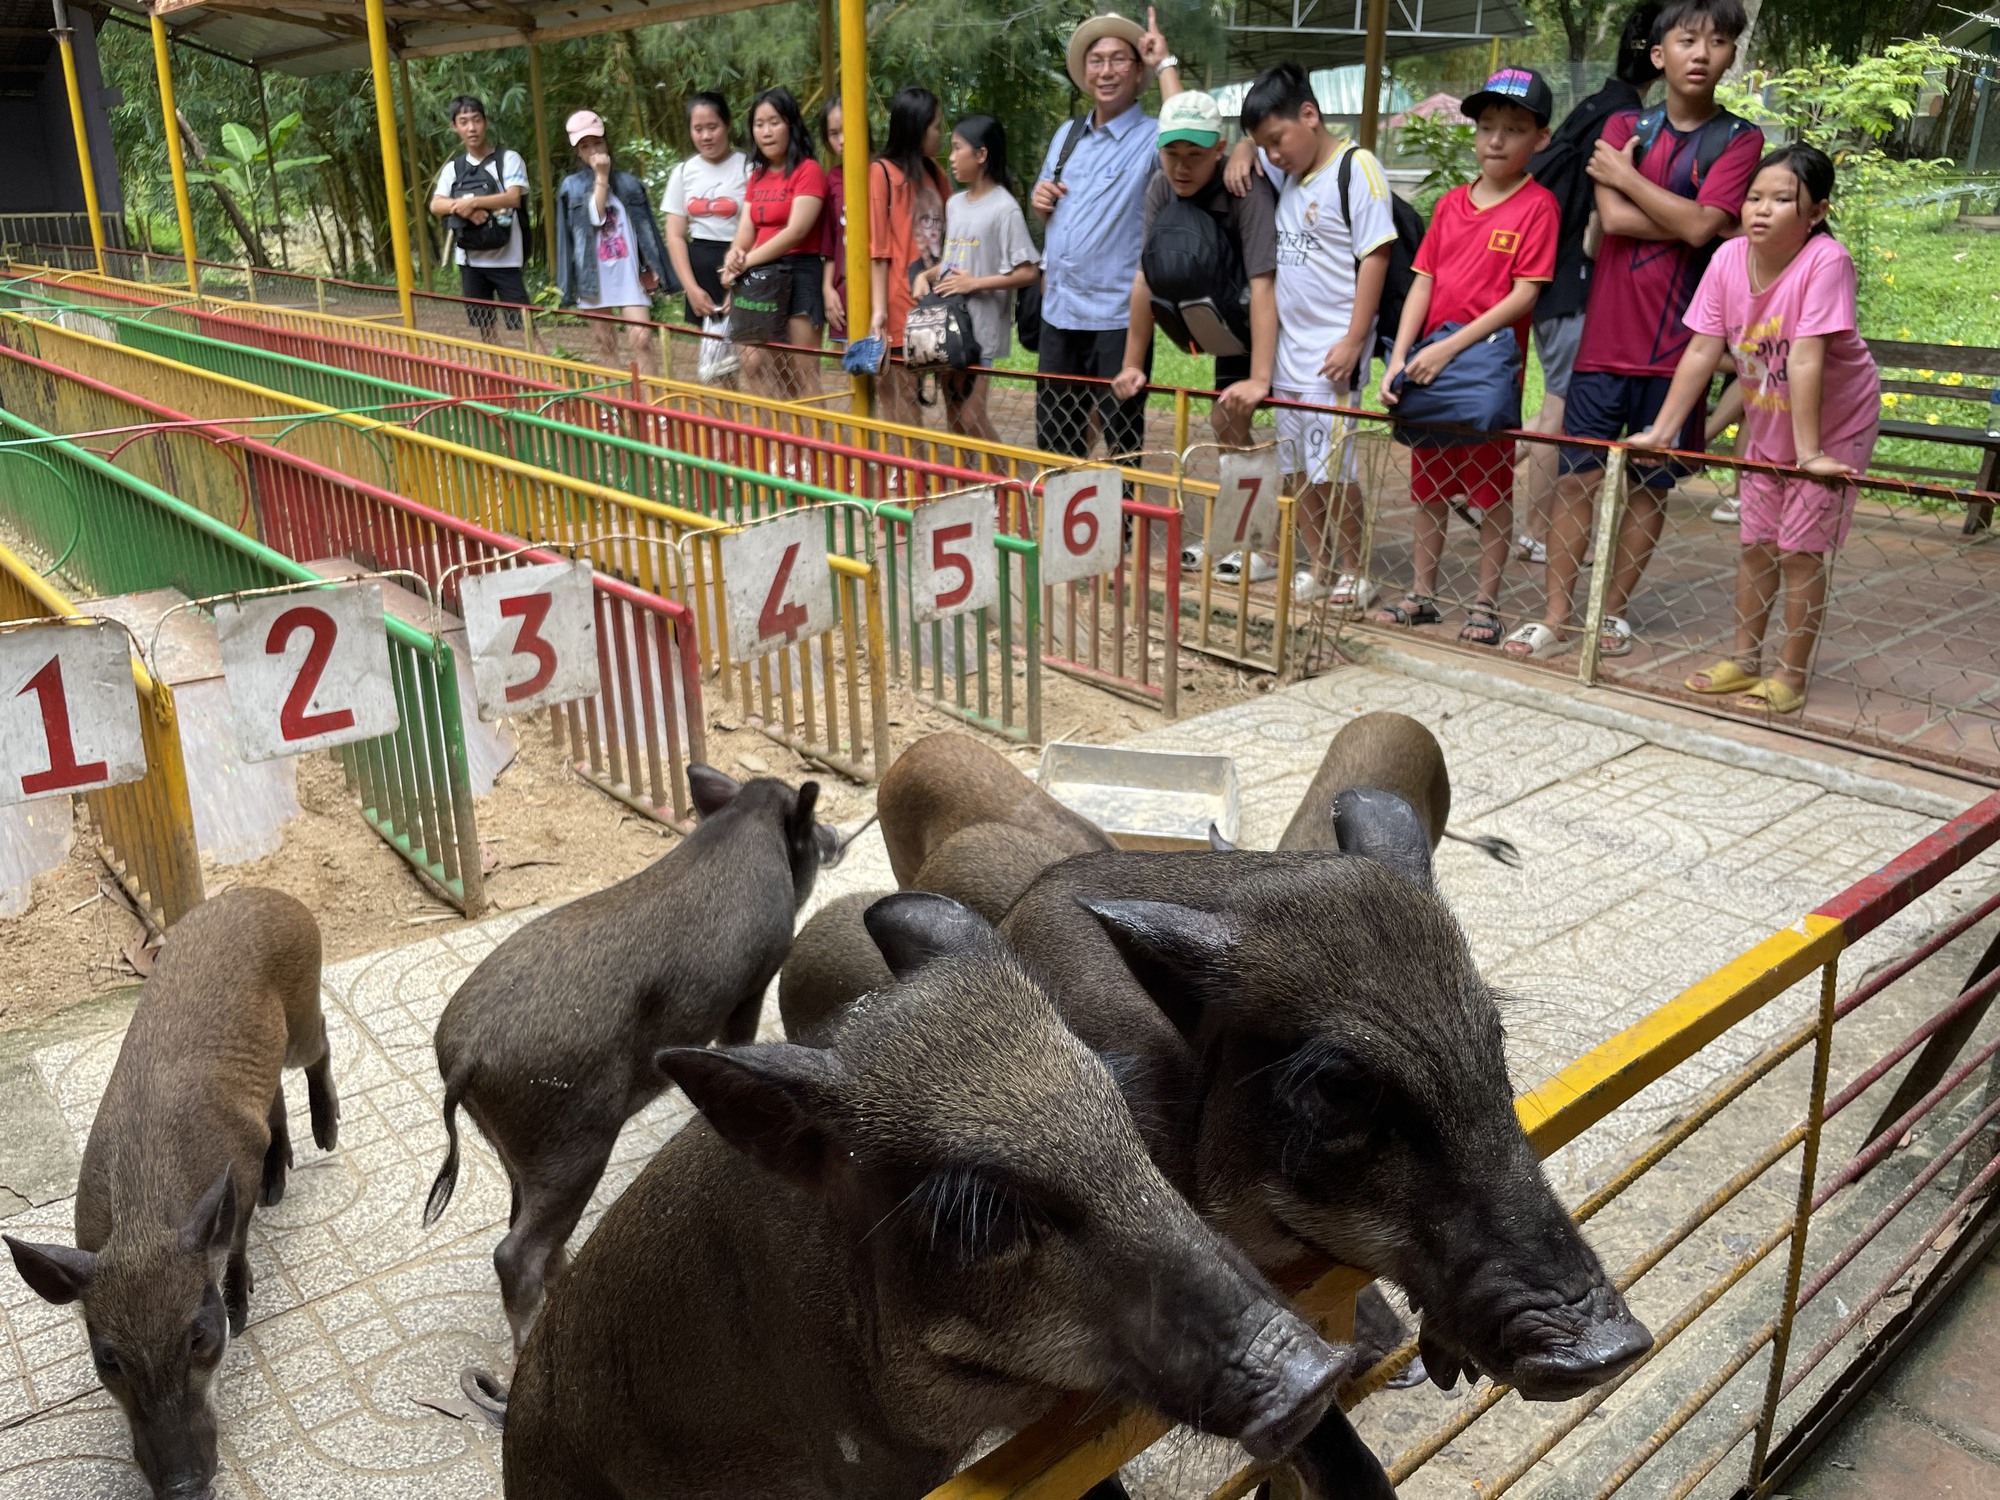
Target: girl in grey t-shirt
987	256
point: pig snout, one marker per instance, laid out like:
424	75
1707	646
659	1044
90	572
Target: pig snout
1575	1348
1293	1372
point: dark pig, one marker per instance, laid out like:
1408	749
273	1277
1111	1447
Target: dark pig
550	1042
948	781
986	866
864	1258
832	963
191	1132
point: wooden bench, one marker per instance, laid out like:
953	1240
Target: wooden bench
1978	370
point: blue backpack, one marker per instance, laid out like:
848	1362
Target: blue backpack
1475	396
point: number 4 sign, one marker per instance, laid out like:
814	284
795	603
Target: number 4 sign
532	632
306	671
954	566
776	583
1082	524
69	713
1246	502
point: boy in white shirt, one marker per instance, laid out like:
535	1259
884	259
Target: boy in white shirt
1333	257
483	189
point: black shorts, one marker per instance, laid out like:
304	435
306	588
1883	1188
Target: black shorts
1608	406
485	285
808	295
1230	368
705	259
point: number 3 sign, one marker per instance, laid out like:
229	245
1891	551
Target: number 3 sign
1082	524
953	564
1246	502
69	714
532	633
776	583
306	671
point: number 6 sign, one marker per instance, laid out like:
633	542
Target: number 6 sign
532	632
69	714
1246	502
776	584
954	567
306	671
1082	524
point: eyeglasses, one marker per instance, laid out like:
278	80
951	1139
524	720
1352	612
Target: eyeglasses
1109	62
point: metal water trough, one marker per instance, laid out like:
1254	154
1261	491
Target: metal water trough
1145	799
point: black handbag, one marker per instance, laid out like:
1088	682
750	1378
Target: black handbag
759	305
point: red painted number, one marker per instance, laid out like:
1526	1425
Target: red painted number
63	771
294	721
1080	526
1249	488
532	609
958	562
778	617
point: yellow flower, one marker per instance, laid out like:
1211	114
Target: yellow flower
1927	374
1888	278
1932	419
1954	378
1889	401
1904	334
1956	343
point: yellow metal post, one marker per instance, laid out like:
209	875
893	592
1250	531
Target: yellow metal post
854	176
827	81
392	161
77	128
1493	60
1373	51
545	205
176	161
420	207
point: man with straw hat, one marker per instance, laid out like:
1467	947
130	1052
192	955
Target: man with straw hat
1091	195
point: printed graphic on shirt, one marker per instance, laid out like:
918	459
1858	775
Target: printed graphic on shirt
1762	353
611	241
1504	241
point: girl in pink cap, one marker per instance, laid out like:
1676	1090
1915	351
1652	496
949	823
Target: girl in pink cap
610	258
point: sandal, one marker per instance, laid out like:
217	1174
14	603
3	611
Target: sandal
1483	627
1414	610
1726	676
1773	695
1615	638
1532	642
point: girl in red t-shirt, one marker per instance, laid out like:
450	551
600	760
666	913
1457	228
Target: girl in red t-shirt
780	226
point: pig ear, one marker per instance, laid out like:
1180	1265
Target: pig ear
915	928
1173	951
712	791
1217	842
799	822
212	1225
771	1102
57	1273
1386	829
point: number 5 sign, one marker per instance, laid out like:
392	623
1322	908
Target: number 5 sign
307	671
954	566
69	714
532	632
1082	524
776	584
1246	502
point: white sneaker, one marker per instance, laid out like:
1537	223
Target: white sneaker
1229	569
1191	556
1529	550
1351	592
1305	587
1729	512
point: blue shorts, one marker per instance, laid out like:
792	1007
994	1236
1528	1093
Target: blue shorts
1607	407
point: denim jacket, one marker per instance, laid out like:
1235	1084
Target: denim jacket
576	269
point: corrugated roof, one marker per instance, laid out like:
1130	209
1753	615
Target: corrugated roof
1325	33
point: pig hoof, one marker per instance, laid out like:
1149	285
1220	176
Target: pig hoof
326	1134
274	1189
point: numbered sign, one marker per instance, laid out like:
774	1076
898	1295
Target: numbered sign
69	712
954	566
1082	524
1246	502
776	584
307	671
532	632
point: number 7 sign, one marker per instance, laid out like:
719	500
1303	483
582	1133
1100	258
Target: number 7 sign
954	565
776	584
69	713
1083	524
307	671
1246	502
532	634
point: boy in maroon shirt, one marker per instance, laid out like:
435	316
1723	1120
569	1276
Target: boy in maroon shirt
1670	184
1490	250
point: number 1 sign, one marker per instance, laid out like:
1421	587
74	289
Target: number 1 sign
532	633
1246	502
776	583
307	671
954	566
69	713
1083	524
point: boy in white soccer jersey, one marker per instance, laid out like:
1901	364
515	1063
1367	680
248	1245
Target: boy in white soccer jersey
1333	257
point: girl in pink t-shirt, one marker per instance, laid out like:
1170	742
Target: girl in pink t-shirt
1780	300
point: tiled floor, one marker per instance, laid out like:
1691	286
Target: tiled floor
1644	869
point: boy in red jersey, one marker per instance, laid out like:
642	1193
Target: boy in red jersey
1490	249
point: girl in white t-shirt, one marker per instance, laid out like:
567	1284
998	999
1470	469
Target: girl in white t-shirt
704	201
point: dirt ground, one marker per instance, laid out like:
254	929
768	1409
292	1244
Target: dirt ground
545	836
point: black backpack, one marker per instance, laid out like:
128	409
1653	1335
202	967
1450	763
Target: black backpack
1028	300
1402	255
480	182
1560	167
1201	297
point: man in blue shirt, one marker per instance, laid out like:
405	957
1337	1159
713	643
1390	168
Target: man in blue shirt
1094	206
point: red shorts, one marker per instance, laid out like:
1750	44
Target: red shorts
1482	474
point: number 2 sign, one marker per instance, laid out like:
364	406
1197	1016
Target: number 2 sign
776	583
954	566
532	632
1246	502
1082	524
306	671
69	713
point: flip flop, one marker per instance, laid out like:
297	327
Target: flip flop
1615	639
1724	677
1414	610
1532	641
1773	695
